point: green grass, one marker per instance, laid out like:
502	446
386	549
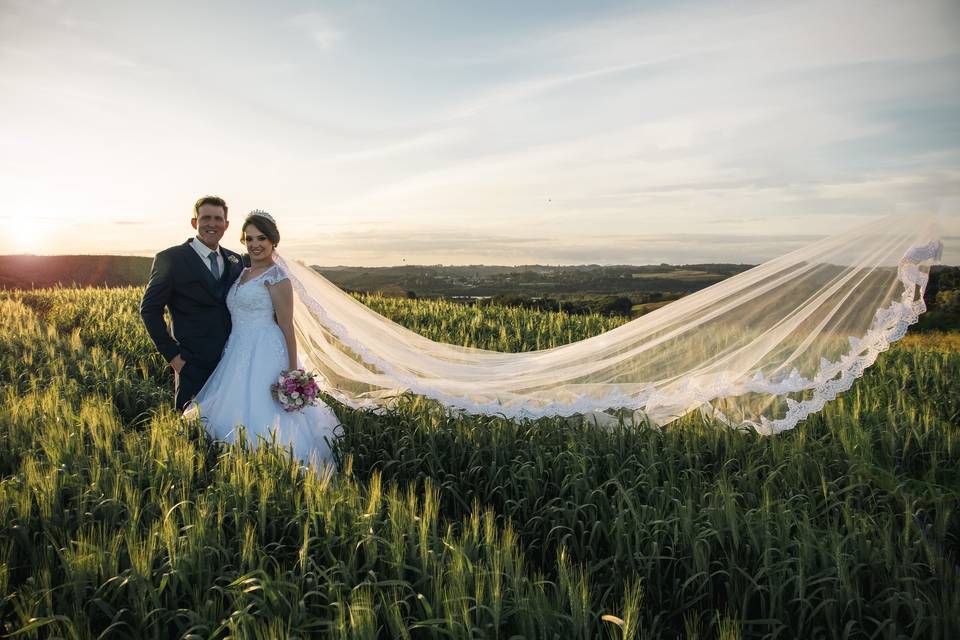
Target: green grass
120	521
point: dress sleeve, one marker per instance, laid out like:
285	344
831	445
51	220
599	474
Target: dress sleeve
275	274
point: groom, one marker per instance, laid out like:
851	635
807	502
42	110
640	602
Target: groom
192	280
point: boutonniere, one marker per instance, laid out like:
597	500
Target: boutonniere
233	259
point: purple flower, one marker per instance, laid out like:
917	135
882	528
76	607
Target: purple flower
296	389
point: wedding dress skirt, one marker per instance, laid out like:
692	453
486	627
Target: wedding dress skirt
238	391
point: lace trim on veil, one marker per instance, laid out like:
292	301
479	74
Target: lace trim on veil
889	325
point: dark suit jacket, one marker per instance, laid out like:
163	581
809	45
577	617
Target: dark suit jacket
181	281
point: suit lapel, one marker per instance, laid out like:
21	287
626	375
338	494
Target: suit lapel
230	271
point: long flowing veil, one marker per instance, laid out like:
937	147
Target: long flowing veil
760	350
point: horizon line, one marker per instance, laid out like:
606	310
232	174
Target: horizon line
395	266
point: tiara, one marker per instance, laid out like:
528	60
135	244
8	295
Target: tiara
262	214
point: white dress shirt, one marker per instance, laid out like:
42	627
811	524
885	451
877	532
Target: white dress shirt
204	252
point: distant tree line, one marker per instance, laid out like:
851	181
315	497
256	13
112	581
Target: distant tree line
602	305
943	290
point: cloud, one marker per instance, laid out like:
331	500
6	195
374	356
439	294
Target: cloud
774	111
417	245
113	59
319	28
763	36
413	240
400	146
530	136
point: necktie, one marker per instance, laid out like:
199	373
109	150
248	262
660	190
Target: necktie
214	268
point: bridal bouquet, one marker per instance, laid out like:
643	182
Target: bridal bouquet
296	389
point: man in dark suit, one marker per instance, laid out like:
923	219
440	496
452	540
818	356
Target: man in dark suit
192	280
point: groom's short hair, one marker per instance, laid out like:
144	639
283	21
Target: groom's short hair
214	200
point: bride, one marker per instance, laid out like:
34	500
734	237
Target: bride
261	347
759	351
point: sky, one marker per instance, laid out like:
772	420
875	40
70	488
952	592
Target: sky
560	132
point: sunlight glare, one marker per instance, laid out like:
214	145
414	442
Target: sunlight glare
29	238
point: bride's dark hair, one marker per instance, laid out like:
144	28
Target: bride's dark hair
266	226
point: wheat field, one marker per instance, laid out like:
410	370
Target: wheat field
121	521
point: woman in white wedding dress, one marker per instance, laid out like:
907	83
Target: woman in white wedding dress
761	350
261	346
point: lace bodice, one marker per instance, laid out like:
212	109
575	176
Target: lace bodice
249	303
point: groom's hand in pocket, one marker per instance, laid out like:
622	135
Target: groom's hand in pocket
177	363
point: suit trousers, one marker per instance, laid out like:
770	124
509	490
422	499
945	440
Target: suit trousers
188	383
